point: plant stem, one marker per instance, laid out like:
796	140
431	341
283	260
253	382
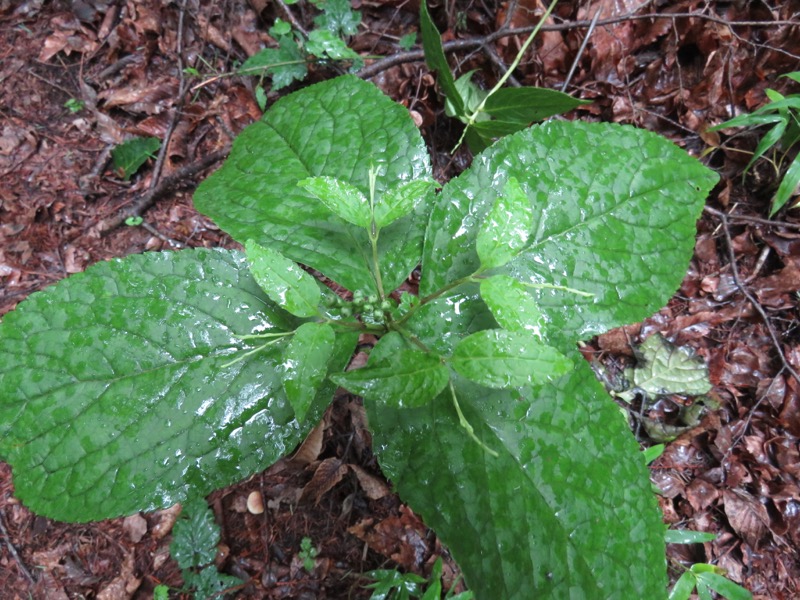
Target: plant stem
501	82
462	420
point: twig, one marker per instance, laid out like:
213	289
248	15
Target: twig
750	297
173	120
581	49
146	200
291	18
471	44
749	219
13	551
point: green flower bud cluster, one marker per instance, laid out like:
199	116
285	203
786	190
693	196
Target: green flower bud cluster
366	305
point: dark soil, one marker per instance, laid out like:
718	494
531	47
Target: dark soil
116	64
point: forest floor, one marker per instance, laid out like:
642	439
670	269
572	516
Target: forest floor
79	77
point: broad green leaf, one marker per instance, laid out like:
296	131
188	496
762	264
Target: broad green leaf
499	359
255	194
115	396
285	64
566	506
283	280
512	306
434	57
666	369
614	216
471	94
506	229
341	198
195	535
788	186
523	105
129	156
724	586
399	201
410	378
306	365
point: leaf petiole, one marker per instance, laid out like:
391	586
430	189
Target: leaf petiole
462	420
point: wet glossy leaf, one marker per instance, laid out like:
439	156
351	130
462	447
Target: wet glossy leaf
114	394
410	378
498	358
283	280
255	194
434	57
341	198
686	536
505	231
614	215
338	17
512	306
400	201
663	368
305	365
542	509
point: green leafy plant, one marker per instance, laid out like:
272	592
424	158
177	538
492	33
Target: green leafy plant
783	113
194	547
707	579
162	376
74	105
129	156
289	61
308	554
390	584
500	111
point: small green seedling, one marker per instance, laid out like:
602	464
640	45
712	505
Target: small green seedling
289	61
194	547
308	554
74	105
783	113
390	584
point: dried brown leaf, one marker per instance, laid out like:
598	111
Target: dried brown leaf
329	472
746	515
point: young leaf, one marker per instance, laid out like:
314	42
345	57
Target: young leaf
338	17
667	369
131	155
512	306
344	200
434	56
615	216
138	345
684	587
283	280
255	194
522	106
724	586
685	536
563	451
285	64
195	535
506	229
305	364
324	44
411	378
400	201
498	358
788	186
